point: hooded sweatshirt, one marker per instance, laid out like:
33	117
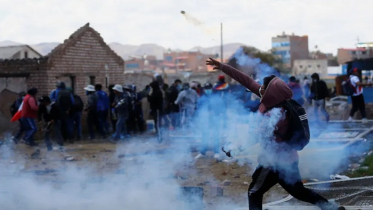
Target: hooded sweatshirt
275	150
187	99
155	98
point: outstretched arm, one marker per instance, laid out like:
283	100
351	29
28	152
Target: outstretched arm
237	75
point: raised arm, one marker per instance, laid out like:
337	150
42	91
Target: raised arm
237	75
241	77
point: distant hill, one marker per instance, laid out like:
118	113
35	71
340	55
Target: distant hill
9	43
126	51
45	48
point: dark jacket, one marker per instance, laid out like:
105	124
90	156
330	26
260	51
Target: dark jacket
46	116
78	104
122	103
276	93
156	97
319	90
172	94
92	102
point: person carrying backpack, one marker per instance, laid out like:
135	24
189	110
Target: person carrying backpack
278	161
76	116
357	97
48	115
64	99
319	93
102	110
91	109
121	102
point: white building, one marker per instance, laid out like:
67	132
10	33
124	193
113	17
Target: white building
310	66
18	52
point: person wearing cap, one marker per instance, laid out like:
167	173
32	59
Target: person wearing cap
131	121
13	110
28	115
319	93
357	98
121	103
48	115
91	109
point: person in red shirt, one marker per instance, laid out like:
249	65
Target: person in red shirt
29	114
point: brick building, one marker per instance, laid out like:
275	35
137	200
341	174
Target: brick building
345	55
84	58
185	61
290	48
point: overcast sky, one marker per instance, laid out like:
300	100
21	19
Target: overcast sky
330	24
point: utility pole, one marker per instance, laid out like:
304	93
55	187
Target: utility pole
221	44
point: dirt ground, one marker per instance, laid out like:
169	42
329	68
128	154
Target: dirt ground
104	158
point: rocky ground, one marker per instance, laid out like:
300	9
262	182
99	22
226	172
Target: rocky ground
221	181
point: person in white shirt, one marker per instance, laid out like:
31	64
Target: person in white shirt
357	97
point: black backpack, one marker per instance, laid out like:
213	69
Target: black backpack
348	89
63	101
298	135
78	104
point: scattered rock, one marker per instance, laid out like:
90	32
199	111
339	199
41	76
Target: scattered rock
69	158
245	183
237	176
121	156
370	152
224	173
226	182
361	160
44	163
93	156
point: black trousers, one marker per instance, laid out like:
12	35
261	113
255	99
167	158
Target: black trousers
358	103
289	178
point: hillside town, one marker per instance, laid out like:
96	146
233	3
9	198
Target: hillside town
90	124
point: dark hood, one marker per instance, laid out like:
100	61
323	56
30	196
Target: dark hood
61	85
155	85
276	92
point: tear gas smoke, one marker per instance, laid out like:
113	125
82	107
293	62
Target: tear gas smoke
145	182
254	65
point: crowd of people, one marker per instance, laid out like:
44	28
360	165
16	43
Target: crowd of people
115	115
118	114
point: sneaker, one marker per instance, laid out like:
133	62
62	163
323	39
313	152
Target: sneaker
199	156
364	120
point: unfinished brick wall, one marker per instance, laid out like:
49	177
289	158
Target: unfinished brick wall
85	58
